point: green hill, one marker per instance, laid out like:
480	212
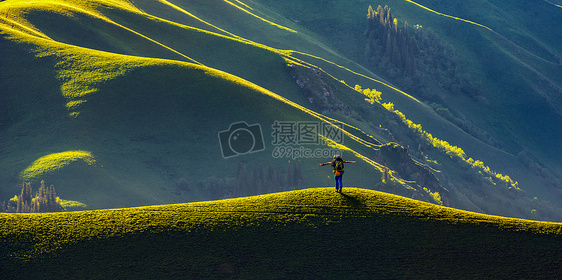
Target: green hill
307	234
516	73
121	104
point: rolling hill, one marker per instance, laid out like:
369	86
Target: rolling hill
122	103
307	234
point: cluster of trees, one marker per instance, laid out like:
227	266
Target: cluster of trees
372	95
267	180
435	195
45	200
249	181
453	151
413	58
386	40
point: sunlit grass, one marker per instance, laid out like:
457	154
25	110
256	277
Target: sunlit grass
82	70
258	17
181	10
307	218
70	205
226	213
53	162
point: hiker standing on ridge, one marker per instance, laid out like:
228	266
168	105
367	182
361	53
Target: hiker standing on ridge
337	165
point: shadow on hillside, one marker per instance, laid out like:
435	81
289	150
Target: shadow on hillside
353	200
32	101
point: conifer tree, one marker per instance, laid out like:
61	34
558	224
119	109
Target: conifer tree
290	182
380	14
25	199
298	175
52	203
40	199
242	187
258	180
45	200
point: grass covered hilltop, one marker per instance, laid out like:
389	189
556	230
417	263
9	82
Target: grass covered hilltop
306	234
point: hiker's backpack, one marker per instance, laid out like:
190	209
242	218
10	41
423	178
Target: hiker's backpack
338	166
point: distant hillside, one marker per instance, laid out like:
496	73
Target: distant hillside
491	39
121	104
310	234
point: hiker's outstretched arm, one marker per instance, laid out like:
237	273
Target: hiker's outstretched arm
326	163
350	161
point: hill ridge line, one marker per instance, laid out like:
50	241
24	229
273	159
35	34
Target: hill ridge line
260	18
379	202
181	10
449	16
508	41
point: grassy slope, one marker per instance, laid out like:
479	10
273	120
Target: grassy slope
521	39
312	233
135	151
122	119
478	47
516	121
500	161
111	117
150	117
